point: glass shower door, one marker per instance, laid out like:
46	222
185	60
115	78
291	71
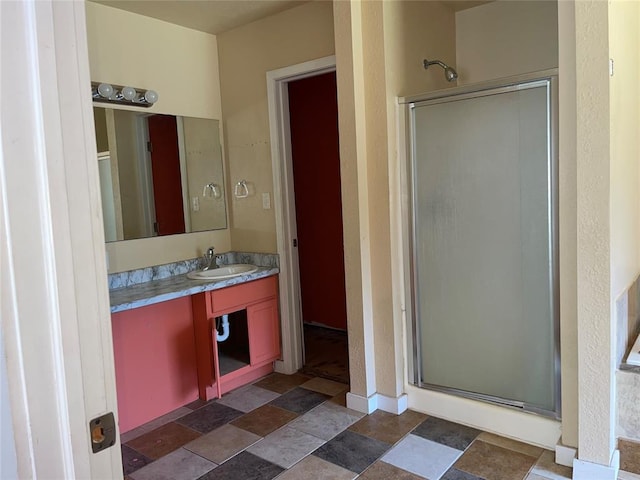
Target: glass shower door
483	245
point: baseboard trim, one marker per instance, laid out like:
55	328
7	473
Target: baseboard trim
565	455
583	470
362	404
280	366
395	405
622	475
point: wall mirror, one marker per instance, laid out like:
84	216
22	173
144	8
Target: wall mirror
159	174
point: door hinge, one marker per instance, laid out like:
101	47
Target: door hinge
103	432
295	242
150	147
156	227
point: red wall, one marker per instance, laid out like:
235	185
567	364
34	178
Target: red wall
313	111
167	185
156	370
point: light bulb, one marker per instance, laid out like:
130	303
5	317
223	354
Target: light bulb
129	93
151	96
105	90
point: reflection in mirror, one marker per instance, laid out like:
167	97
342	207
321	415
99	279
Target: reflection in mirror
159	174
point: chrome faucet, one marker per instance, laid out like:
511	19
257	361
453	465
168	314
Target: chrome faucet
210	257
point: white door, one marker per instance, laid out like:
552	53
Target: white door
54	298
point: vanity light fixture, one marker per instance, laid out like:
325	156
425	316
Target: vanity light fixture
107	93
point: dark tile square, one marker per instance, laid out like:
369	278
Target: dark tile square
455	474
264	420
352	451
447	433
387	427
132	460
490	461
280	383
163	440
196	404
210	417
386	471
244	466
299	400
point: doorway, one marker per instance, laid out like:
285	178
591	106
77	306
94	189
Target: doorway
315	158
300	309
165	174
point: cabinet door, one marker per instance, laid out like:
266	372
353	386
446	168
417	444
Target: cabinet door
264	332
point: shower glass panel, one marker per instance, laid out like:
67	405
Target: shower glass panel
483	245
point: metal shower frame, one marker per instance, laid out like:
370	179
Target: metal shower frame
548	78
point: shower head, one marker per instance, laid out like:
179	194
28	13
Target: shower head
449	73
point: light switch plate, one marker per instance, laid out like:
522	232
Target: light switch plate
266	201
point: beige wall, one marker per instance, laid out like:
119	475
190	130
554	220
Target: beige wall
599	252
405	43
179	63
414	31
182	66
203	153
624	22
350	81
628	415
246	54
505	38
607	205
379	50
129	175
625	144
568	229
596	407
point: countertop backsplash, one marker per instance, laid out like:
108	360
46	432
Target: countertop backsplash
159	272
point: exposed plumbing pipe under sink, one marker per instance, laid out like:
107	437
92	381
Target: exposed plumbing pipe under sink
225	329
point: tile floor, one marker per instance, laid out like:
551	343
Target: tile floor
296	427
326	353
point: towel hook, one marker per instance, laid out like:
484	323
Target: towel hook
241	190
213	189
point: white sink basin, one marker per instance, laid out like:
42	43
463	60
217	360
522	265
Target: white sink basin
225	271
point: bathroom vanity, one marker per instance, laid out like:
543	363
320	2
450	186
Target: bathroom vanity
253	343
165	343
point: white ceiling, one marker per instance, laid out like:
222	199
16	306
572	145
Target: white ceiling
211	16
217	16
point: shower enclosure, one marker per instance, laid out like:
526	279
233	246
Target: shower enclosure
482	211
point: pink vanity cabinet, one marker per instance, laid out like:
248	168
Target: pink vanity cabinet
166	354
155	361
254	340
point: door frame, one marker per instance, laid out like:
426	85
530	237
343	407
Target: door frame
56	326
145	178
284	205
